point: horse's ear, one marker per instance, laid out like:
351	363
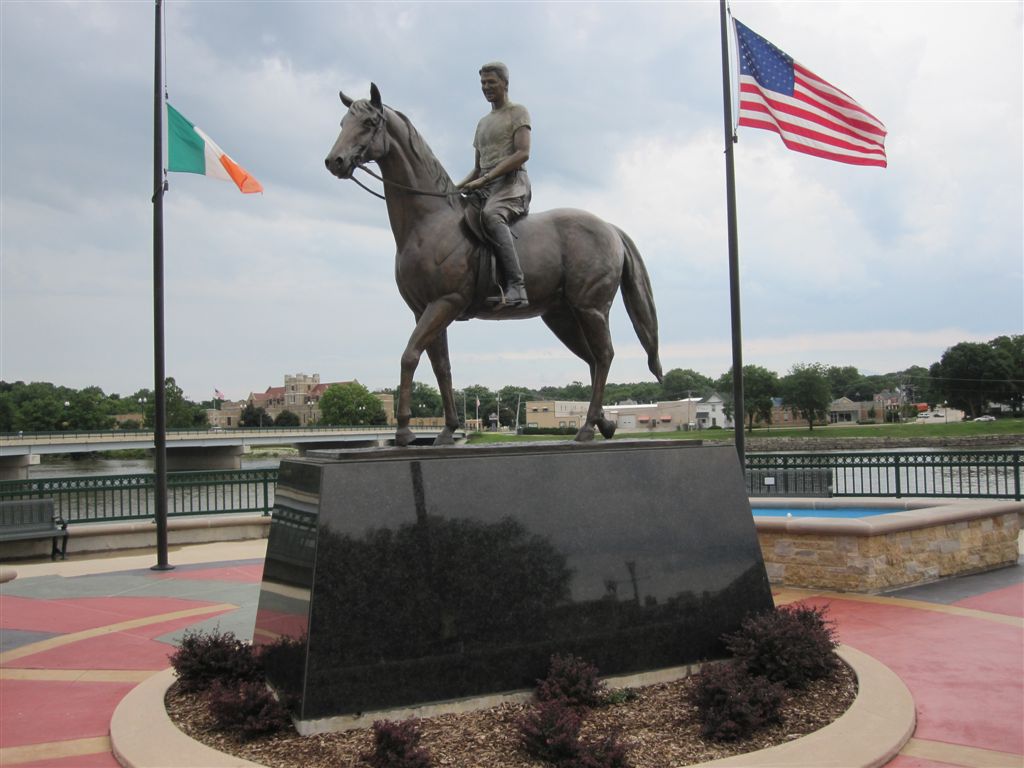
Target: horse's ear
375	97
345	99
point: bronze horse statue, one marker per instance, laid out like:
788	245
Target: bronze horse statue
574	264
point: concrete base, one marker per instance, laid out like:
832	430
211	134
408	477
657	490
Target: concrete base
16	467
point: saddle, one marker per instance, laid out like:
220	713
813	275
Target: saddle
488	274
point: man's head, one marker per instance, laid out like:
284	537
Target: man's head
494	83
497	68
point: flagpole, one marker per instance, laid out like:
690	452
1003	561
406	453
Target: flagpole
160	392
734	251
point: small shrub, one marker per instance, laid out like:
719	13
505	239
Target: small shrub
792	645
246	708
732	704
396	745
607	752
572	680
619	696
203	658
550	731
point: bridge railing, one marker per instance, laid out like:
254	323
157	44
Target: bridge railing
940	474
107	498
134	434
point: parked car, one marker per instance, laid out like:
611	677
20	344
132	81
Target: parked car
985	418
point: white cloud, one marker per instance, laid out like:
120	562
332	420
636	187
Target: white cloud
875	268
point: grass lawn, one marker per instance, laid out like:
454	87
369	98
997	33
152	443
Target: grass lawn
929	429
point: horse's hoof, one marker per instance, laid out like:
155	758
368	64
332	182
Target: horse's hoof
585	435
607	427
445	437
404	437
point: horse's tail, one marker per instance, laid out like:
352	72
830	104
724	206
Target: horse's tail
639	300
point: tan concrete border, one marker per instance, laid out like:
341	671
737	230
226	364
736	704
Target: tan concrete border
870	734
142	734
874	729
906	516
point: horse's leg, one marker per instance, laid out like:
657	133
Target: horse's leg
564	325
593	324
441	363
438	315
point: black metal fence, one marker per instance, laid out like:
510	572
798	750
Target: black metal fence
945	474
105	498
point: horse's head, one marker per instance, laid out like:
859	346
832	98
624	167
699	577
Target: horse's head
363	135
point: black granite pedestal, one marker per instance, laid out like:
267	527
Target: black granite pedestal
401	577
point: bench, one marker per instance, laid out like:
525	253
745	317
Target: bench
26	519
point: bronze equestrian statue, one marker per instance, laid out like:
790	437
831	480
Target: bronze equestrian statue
572	261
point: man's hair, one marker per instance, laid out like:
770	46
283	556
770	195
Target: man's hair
497	68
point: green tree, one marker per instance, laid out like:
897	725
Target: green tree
426	400
37	406
39	414
679	383
760	386
1012	350
470	396
254	416
916	384
287	418
513	397
575	391
180	413
88	409
351	404
842	379
807	392
971	375
6	411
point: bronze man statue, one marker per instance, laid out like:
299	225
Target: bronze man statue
502	144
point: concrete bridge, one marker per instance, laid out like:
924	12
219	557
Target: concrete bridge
194	449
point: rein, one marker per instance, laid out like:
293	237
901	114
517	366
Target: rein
381	125
396	185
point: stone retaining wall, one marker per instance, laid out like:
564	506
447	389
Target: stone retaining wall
141	534
920	543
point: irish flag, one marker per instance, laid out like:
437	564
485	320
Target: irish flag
189	150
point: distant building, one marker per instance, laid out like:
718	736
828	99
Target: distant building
300	394
662	416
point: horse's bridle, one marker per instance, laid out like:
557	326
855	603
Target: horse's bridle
357	162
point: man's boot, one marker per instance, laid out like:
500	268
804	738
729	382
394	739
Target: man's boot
514	294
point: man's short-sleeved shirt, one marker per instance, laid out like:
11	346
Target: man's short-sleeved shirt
495	134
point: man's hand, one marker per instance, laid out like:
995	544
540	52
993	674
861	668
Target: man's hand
469	186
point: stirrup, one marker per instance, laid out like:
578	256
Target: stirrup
501	299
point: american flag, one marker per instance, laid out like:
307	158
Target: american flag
810	115
218	394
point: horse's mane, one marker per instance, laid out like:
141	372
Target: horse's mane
422	151
419	148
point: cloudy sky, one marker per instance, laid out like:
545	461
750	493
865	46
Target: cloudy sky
876	268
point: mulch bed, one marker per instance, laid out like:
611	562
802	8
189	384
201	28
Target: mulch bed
659	726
